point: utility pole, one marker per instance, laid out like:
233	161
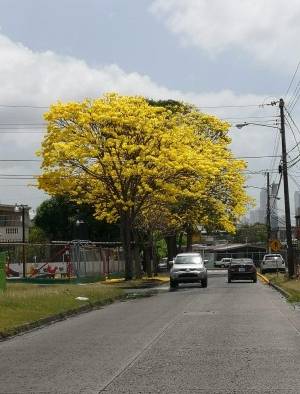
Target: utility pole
268	213
288	227
23	241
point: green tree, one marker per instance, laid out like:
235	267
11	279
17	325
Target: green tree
251	233
57	218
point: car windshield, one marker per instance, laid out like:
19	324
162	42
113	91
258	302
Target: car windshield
188	260
273	257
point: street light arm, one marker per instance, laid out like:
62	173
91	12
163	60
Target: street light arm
241	125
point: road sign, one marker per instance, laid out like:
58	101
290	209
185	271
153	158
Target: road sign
275	245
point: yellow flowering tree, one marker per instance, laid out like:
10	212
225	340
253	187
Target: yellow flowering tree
125	157
222	199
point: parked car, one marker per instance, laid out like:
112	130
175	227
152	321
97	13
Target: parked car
242	269
223	263
272	262
163	265
188	268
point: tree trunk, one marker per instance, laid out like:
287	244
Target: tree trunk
180	241
171	246
189	236
155	259
137	258
126	228
147	256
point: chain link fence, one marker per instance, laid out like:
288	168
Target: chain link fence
76	259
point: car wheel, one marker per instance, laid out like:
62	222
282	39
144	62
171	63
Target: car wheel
204	282
262	271
173	284
229	280
255	280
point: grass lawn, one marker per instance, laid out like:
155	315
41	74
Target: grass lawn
26	303
291	286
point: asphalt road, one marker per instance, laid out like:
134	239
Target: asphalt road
228	338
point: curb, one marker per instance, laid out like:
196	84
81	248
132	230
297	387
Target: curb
263	278
276	287
280	290
47	321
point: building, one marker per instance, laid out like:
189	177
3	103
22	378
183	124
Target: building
11	223
258	216
263	199
217	252
297	202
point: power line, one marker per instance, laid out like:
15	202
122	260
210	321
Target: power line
292	80
297	143
239	106
275	152
20	160
259	172
292	103
277	191
23	106
292	120
205	106
21	132
19	185
294	180
255	187
23	124
256	157
269	118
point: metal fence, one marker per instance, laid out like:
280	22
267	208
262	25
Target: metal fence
79	259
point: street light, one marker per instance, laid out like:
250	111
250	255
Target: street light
80	225
241	125
288	225
18	208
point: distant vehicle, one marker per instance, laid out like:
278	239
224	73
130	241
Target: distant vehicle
188	268
223	263
272	262
163	265
242	269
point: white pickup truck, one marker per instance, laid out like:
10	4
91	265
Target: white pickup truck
223	263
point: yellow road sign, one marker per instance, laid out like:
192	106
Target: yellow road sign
275	245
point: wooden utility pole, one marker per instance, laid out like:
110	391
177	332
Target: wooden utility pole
288	227
268	213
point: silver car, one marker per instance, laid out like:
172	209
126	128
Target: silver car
188	268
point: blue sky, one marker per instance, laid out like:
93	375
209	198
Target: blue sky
194	50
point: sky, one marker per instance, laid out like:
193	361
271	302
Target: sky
230	61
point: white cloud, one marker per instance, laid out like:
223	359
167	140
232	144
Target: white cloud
40	78
267	30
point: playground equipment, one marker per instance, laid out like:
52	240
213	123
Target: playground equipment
10	272
78	259
45	271
49	269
